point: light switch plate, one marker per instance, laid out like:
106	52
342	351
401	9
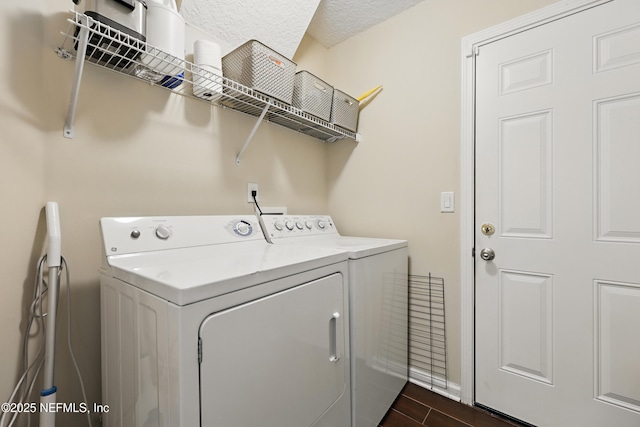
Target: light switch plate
447	202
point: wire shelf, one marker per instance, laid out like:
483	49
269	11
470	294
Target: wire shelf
427	338
122	53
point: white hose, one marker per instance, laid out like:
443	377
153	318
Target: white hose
40	289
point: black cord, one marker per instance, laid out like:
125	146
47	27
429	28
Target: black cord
255	200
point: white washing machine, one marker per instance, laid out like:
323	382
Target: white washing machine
206	324
378	303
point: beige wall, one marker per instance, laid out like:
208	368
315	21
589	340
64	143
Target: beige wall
389	184
137	151
21	172
140	151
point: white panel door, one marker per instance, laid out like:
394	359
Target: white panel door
558	175
278	361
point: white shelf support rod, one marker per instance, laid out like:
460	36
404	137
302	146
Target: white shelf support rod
253	131
83	38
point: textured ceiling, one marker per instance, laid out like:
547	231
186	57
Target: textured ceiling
281	24
337	20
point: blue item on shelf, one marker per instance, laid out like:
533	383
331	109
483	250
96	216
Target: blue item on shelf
172	82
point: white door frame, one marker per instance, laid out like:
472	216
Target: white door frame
470	48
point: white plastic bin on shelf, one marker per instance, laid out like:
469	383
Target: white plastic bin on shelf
165	40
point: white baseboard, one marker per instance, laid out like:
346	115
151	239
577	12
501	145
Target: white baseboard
425	380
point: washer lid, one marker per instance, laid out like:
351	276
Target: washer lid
187	275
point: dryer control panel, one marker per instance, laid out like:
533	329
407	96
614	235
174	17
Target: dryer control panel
285	226
143	234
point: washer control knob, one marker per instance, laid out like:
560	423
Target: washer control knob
135	234
321	224
163	232
277	225
289	225
299	225
243	228
308	224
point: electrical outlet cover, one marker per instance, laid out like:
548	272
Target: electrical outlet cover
252	186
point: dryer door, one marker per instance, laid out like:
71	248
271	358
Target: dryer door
277	361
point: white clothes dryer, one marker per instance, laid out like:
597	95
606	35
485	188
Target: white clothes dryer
206	324
378	303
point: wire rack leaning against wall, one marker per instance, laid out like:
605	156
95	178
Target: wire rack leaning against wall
427	339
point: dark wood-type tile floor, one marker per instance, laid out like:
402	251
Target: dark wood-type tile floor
416	407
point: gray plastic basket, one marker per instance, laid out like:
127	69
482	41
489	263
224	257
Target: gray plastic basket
344	111
312	95
262	69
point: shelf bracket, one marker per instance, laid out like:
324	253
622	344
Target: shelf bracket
253	131
83	38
